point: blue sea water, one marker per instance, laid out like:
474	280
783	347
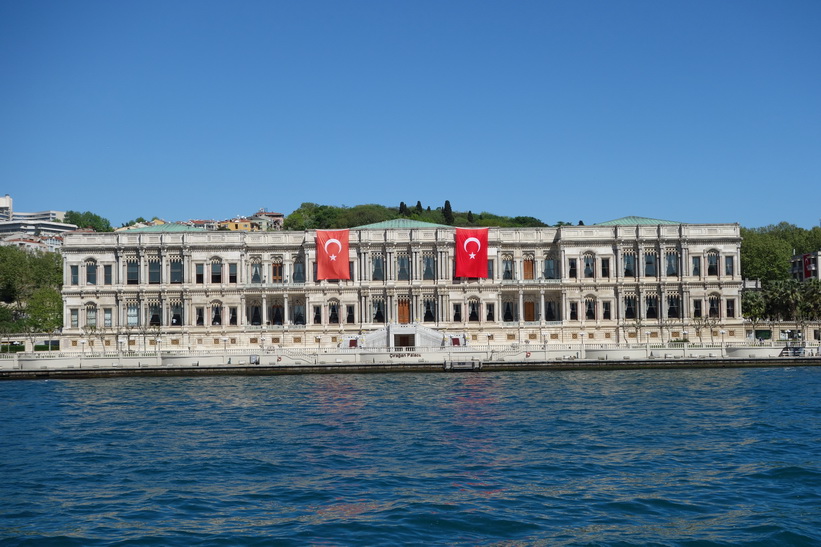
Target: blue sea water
666	457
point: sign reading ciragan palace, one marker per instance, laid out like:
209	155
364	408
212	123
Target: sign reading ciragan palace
619	282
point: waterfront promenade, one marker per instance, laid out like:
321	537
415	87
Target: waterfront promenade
274	360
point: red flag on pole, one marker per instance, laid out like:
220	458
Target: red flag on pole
332	254
471	252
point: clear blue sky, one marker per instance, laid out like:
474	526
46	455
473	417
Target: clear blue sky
697	111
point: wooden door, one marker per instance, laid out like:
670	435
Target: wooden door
530	311
404	311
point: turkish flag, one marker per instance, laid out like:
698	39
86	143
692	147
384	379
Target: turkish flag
807	266
332	254
471	252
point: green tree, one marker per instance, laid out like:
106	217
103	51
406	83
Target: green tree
447	212
419	209
88	220
44	310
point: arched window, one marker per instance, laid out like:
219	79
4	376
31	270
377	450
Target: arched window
590	308
589	261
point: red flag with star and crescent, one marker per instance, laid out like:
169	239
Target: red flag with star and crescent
471	252
332	254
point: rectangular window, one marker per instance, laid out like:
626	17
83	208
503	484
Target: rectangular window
712	264
589	266
490	312
697	266
132	273
75	318
590	309
108	317
550	270
527	268
629	265
350	316
350	271
730	307
176	271
200	273
256	272
154	315
507	268
490	268
728	266
154	272
108	274
428	268
378	269
232	272
630	307
200	311
672	265
216	272
317	315
133	315
378	311
402	268
457	313
605	267
276	272
605	310
299	272
696	308
673	307
650	265
216	314
652	307
232	315
574	311
550	311
176	315
572	268
333	313
75	275
91	274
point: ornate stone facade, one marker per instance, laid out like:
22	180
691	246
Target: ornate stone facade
607	284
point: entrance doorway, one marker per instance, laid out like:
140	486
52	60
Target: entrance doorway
403	311
404	340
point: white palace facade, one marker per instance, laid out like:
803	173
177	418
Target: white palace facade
628	281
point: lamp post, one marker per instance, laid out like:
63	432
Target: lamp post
722	342
684	333
582	335
647	342
82	351
224	349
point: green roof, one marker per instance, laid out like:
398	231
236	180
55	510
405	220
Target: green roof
164	228
400	223
637	221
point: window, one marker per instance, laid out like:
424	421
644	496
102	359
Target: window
154	317
276	313
378	309
232	272
232	315
403	267
299	272
672	265
317	315
256	272
276	272
605	310
629	307
428	267
107	274
697	266
730	307
589	265
133	273
508	312
75	275
108	317
696	308
712	264
550	311
650	264
200	275
254	312
91	273
176	314
652	307
378	268
176	271
429	314
473	310
457	313
728	265
216	314
216	272
629	265
351	315
673	306
333	313
550	269
571	268
527	268
75	318
490	268
507	267
91	316
574	311
200	311
605	267
490	312
299	313
589	309
714	302
154	272
132	315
